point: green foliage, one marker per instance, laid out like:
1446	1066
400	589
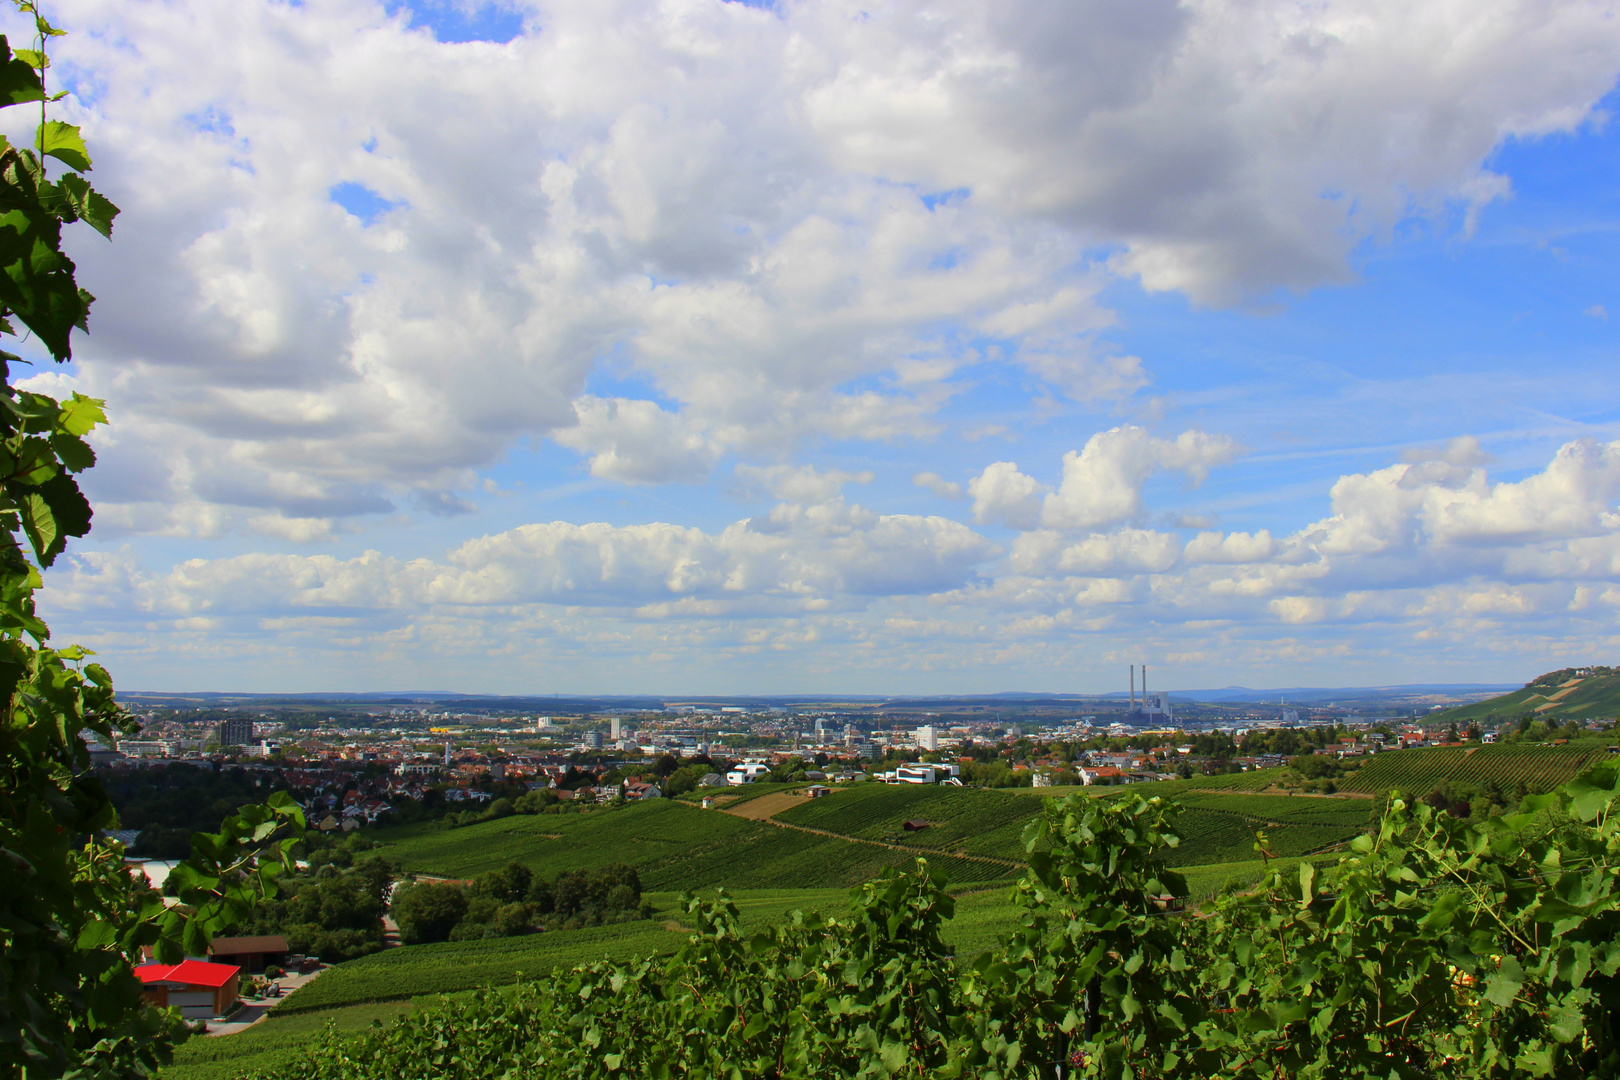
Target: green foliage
1435	947
168	804
1316	766
329	912
276	1041
512	901
428	912
72	918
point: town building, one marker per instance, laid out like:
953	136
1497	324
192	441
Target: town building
237	731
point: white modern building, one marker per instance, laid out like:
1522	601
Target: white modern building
926	738
924	774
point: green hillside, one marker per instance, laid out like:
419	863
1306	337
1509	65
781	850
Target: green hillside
1591	693
1215	827
384	984
671	844
811	854
1540	766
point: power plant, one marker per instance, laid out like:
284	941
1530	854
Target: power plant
1155	708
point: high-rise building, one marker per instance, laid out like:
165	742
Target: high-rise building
593	740
614	731
237	731
927	738
851	735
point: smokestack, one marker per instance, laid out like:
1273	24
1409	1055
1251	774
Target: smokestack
1133	688
447	753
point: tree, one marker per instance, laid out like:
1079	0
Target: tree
428	912
73	920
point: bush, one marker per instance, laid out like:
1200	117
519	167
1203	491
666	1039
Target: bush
1316	766
535	802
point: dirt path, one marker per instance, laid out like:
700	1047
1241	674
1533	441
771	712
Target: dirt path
252	1012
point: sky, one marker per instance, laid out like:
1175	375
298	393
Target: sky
950	347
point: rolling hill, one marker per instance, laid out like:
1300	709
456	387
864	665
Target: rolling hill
673	845
1589	693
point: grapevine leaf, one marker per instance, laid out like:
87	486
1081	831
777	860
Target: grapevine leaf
52	512
63	142
74	452
19	82
80	414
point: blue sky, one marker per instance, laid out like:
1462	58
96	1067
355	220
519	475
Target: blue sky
909	348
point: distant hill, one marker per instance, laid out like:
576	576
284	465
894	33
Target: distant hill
1588	693
1301	695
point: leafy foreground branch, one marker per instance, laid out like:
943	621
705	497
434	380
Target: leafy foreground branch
73	920
1434	948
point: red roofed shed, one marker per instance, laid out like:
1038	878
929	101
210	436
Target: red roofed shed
197	988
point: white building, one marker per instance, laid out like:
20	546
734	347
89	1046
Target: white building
615	728
924	774
927	738
747	774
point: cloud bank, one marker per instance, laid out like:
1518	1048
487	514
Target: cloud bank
370	262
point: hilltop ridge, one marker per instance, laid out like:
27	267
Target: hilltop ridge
1583	693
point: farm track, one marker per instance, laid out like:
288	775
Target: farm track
1008	863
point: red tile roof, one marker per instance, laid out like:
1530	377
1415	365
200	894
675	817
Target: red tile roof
190	972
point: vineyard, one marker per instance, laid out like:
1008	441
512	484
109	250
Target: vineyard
1219	828
1289	809
960	819
273	1044
1539	766
642	835
446	967
1240	781
673	846
771	856
382	986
